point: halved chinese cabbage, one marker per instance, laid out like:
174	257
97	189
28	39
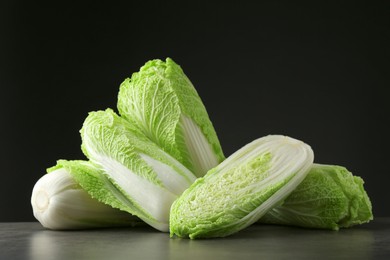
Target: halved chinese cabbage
147	177
162	102
240	190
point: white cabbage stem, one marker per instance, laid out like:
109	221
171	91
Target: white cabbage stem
59	203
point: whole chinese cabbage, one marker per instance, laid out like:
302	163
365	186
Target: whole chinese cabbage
329	197
67	197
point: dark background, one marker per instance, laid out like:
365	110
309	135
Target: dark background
317	72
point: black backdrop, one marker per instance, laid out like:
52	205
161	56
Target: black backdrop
316	72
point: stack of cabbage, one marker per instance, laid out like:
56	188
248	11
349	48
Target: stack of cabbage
160	162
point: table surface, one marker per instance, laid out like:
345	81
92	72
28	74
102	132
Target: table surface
31	241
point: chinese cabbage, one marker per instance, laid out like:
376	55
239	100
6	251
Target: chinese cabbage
162	102
149	178
330	197
240	190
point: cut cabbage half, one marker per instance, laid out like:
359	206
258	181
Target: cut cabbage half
241	189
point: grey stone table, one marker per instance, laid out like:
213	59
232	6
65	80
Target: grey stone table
31	241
